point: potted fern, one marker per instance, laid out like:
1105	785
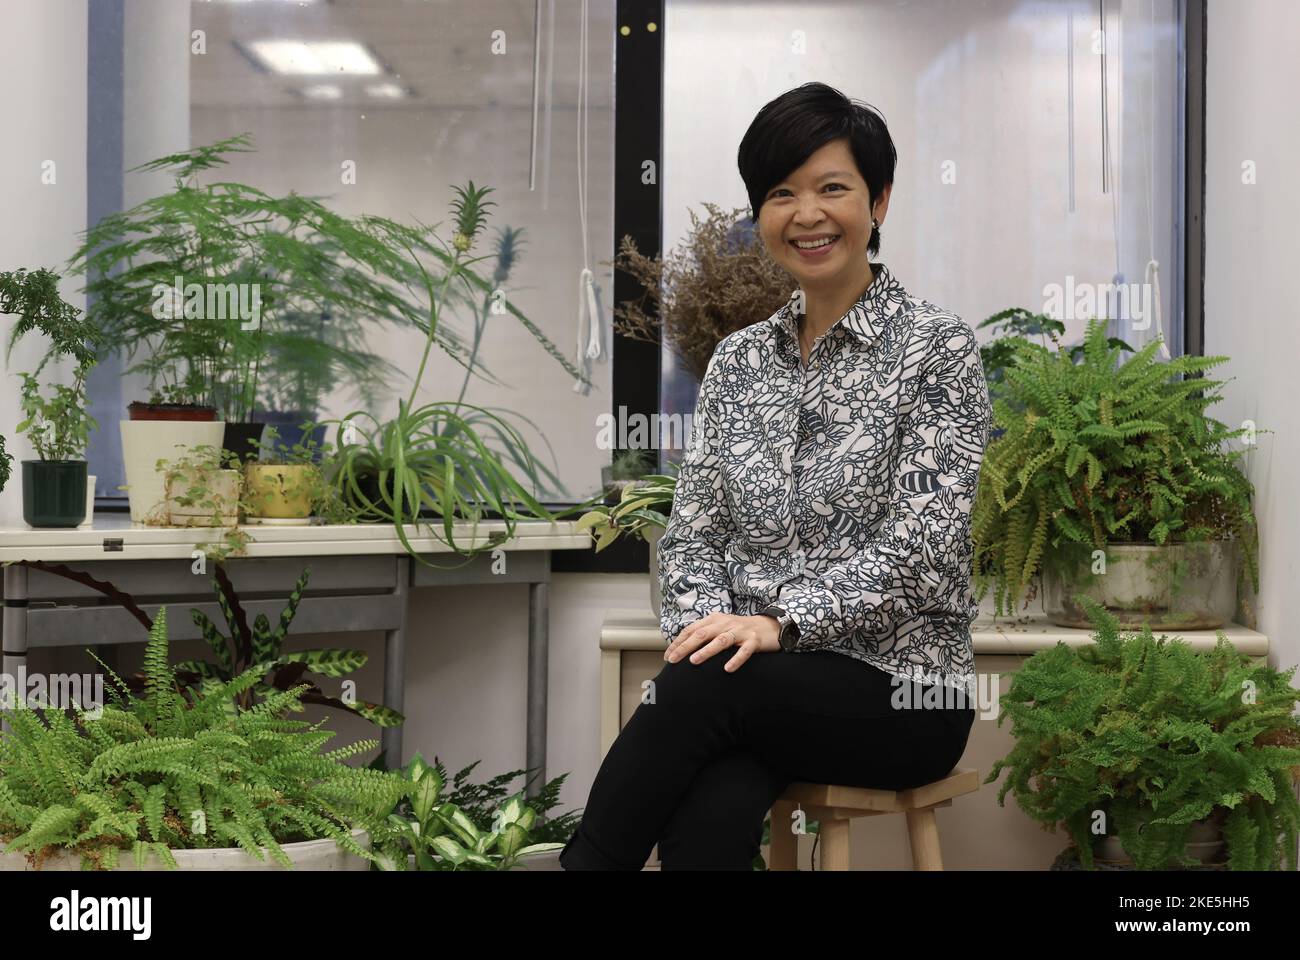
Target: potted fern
1147	742
1111	480
169	781
55	486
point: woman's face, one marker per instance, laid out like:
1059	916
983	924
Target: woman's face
826	197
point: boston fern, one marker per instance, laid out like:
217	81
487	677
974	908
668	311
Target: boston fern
1097	451
1150	732
163	772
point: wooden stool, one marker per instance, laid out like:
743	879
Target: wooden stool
834	807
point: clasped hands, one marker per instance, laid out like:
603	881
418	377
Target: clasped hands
719	631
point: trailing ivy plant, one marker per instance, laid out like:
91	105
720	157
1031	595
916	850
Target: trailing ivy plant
58	426
1155	736
163	771
1099	451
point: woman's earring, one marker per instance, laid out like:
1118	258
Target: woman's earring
875	224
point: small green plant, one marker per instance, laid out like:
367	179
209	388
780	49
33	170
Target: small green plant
432	457
1102	450
1156	736
307	481
259	648
644	505
6	463
212	479
441	835
58	426
162	772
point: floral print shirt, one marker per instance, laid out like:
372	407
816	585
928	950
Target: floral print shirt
839	489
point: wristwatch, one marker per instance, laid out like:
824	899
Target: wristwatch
789	636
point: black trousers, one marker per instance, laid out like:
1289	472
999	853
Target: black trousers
706	753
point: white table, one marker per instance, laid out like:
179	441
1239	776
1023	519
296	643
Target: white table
361	578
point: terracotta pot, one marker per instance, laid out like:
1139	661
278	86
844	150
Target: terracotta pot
170	411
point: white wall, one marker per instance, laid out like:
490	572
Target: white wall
1251	312
43	102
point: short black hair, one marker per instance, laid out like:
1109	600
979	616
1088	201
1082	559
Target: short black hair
794	126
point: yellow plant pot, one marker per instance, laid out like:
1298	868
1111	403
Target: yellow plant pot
278	491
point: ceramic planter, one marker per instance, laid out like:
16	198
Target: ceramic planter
54	492
278	491
223	488
306	855
243	439
1204	844
145	442
90	501
1177	586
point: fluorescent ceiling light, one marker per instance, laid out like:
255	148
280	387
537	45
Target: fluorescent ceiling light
315	57
386	91
323	91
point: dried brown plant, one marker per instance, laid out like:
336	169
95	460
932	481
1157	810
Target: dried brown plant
716	281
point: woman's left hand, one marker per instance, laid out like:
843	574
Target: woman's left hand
718	631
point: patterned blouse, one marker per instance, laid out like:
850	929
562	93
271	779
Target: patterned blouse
840	490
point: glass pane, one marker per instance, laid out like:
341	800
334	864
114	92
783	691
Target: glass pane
1038	146
380	108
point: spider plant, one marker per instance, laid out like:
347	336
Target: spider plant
432	455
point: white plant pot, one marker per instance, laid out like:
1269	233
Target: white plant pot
307	855
90	501
224	486
145	442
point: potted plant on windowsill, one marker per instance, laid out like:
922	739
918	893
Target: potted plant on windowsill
1112	480
435	456
55	486
170	781
643	511
209	285
287	483
1144	739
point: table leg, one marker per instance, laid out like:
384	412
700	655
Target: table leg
395	669
13	627
538	652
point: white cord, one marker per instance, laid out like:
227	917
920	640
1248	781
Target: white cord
588	311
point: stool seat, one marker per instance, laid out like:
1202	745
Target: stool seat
834	806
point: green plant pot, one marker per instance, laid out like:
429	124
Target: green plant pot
54	492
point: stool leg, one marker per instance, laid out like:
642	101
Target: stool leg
783	852
923	833
835	844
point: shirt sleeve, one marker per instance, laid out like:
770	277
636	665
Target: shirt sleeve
920	558
691	553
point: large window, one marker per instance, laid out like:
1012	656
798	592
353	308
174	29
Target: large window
1039	144
381	107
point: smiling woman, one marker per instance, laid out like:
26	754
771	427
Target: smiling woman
822	510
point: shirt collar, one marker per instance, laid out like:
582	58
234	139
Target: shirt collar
865	319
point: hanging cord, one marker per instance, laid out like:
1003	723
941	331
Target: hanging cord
588	311
1151	276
